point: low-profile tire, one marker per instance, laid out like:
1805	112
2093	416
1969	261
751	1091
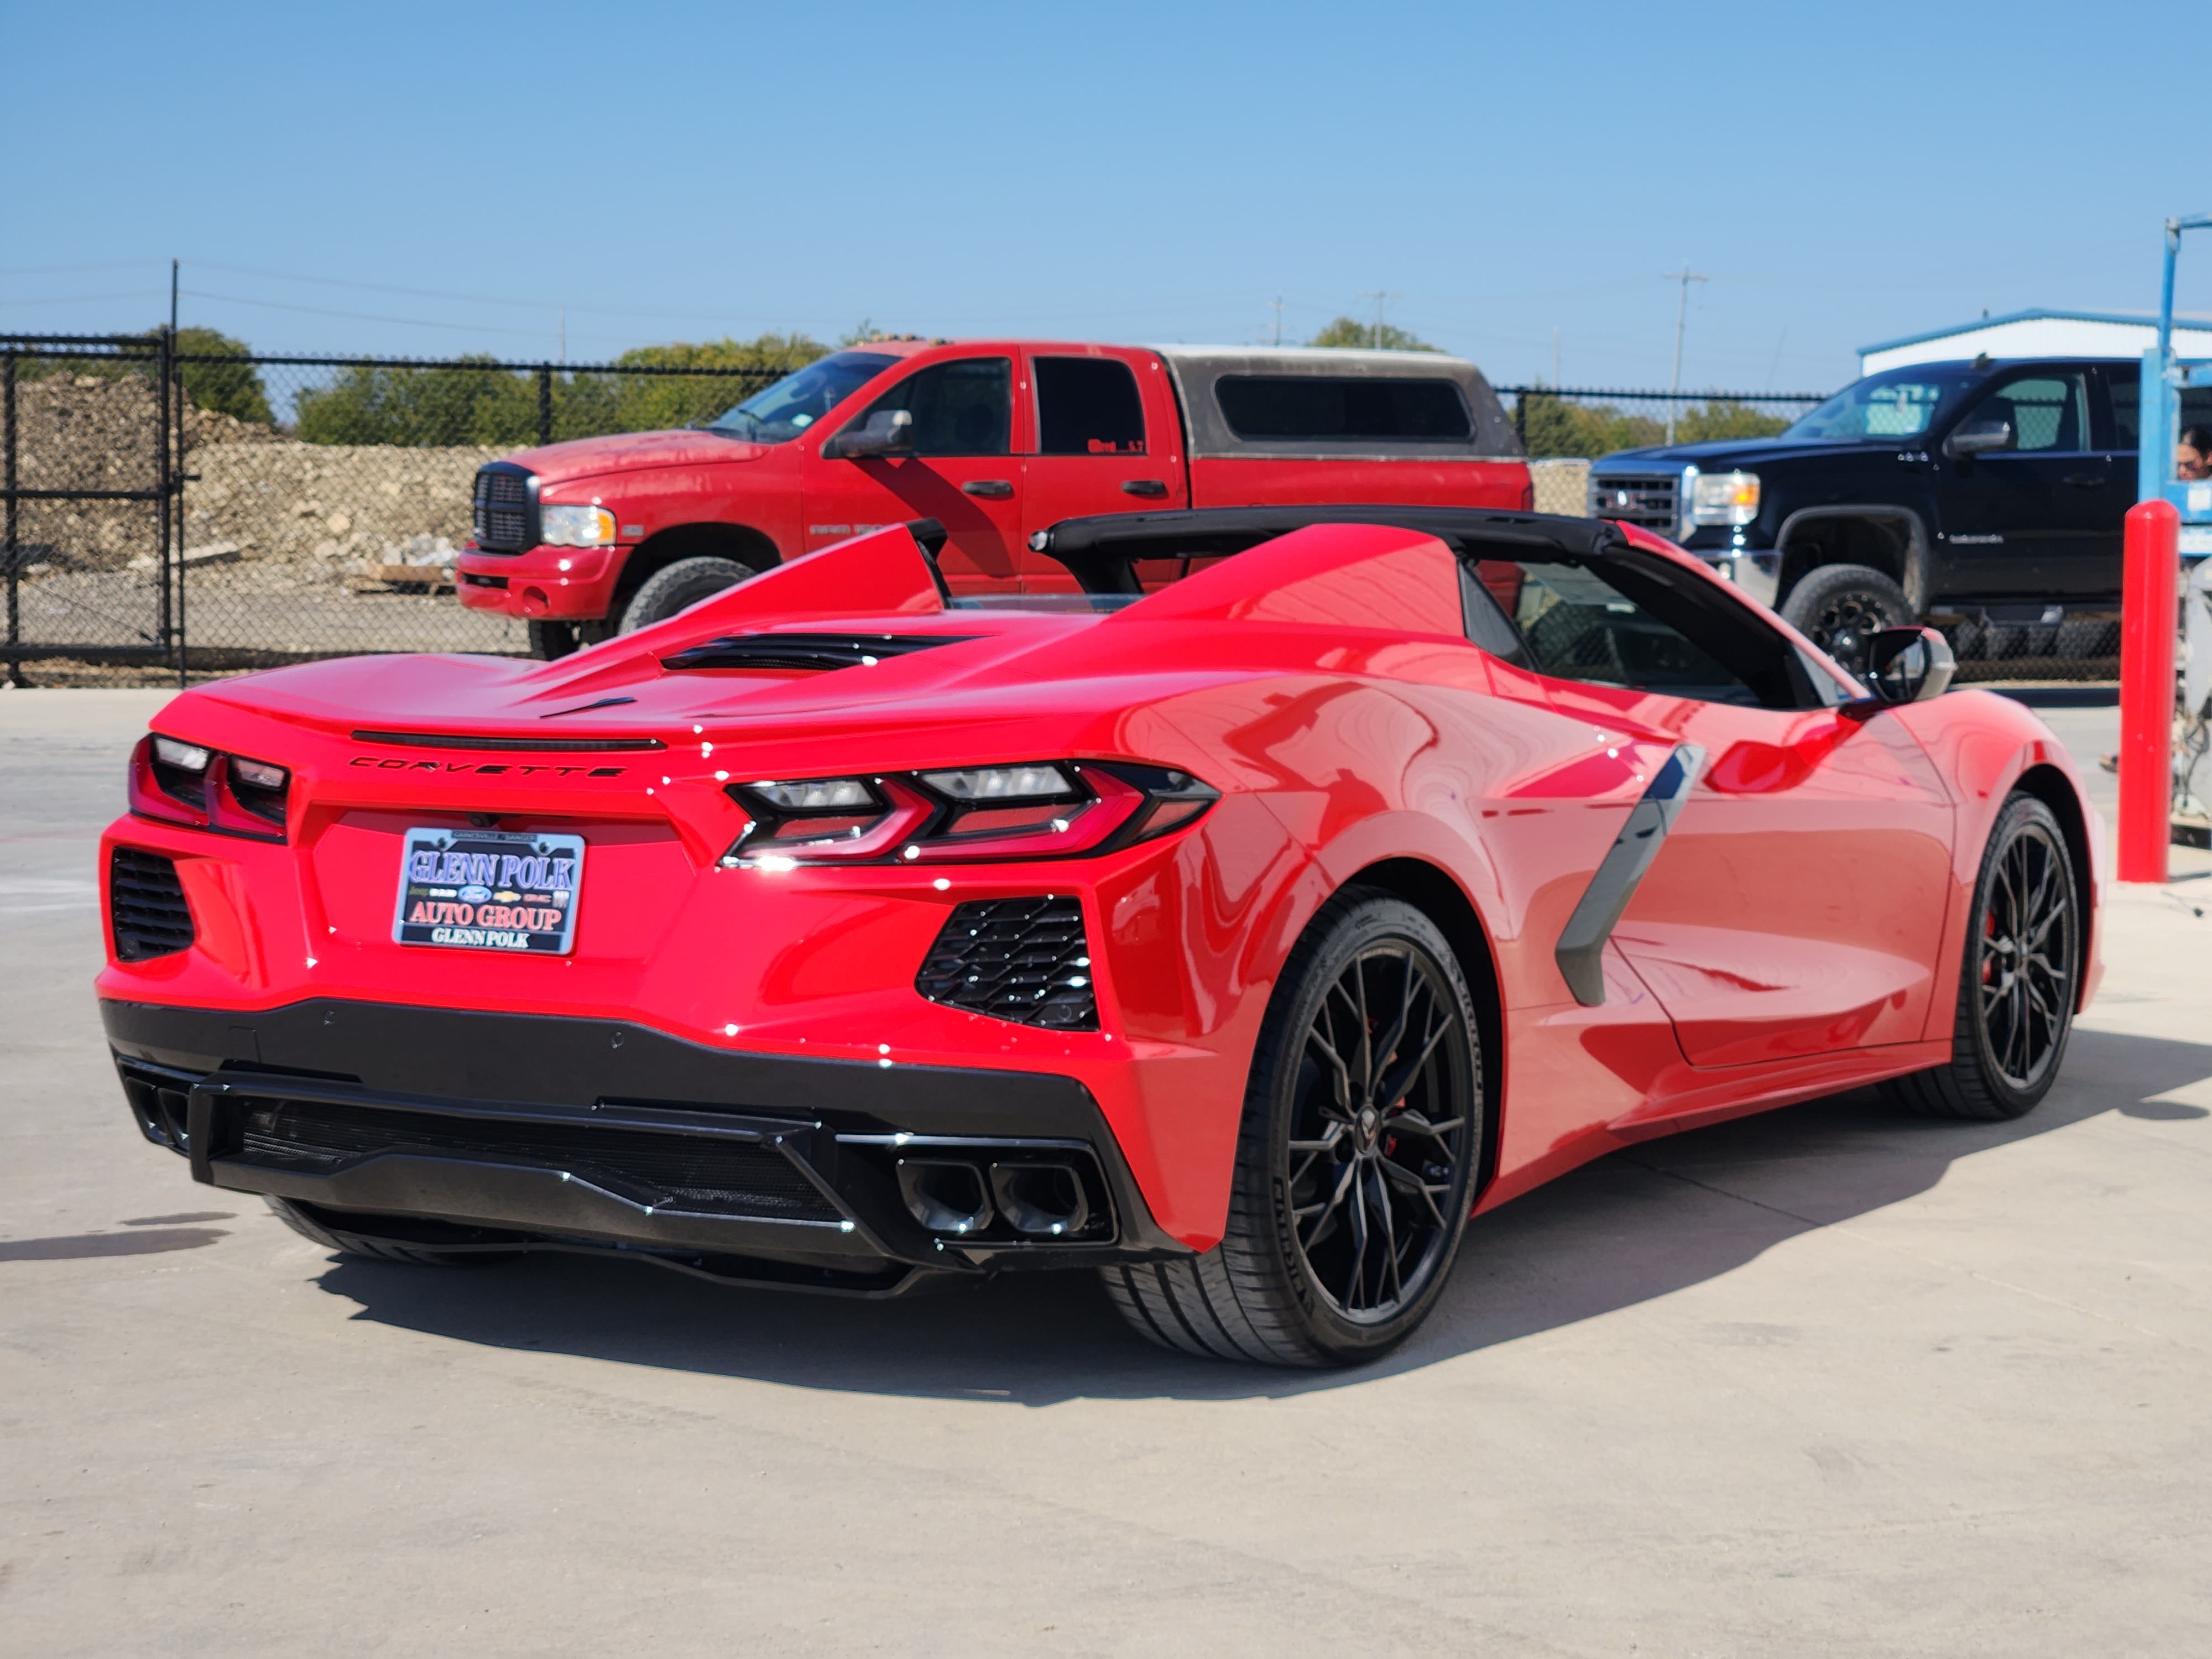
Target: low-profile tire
672	587
1839	606
2019	982
1355	1162
322	1227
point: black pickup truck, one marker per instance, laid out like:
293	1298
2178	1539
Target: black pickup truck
1986	497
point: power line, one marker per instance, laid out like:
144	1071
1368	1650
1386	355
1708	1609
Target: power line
365	317
87	298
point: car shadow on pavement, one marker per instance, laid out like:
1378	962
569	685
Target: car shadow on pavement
1642	1223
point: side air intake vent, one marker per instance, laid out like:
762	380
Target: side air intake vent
148	906
1023	959
806	651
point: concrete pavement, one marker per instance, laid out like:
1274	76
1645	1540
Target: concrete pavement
1827	1382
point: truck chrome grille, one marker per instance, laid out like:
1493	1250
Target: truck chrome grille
1647	501
502	510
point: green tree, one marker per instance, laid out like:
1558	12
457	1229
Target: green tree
233	389
1349	333
645	403
1552	426
1724	419
472	403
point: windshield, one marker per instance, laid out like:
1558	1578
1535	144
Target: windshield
786	409
1902	403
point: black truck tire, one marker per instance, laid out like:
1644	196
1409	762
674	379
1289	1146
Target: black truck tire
1838	606
1337	1163
2018	983
674	587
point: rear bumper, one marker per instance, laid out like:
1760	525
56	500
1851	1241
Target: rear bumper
594	1134
561	583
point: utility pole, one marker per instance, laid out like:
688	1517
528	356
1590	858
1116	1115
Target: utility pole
1375	337
1685	277
1278	308
173	299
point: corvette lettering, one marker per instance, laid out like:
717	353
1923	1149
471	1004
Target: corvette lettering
394	763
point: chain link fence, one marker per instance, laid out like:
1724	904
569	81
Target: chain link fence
208	512
197	512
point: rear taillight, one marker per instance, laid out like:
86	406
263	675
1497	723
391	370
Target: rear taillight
202	788
1046	809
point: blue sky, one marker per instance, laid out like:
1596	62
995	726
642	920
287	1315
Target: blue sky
451	176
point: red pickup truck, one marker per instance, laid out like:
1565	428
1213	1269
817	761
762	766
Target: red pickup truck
996	440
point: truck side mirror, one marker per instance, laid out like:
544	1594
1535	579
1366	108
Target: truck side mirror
886	432
1979	437
1908	665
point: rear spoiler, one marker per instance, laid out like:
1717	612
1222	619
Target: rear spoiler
1100	551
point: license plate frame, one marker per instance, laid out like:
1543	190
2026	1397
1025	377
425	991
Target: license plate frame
525	905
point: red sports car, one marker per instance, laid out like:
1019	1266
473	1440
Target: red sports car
1235	927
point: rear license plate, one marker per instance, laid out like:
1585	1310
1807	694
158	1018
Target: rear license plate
489	890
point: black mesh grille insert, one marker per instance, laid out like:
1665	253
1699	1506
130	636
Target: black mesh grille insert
702	1174
503	511
1024	959
147	905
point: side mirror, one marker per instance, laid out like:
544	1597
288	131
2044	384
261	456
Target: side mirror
886	432
1909	664
1979	437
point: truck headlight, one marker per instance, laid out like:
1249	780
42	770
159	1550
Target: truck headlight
575	526
1728	498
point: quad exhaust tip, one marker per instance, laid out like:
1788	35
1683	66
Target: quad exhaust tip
955	1198
1040	1200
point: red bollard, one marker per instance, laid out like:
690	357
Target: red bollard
2147	631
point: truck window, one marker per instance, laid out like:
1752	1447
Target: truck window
1285	406
1088	406
1900	402
965	407
2049	411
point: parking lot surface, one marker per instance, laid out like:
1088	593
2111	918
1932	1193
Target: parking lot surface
1831	1381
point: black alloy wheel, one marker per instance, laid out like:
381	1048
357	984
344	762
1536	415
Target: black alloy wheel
1840	607
1363	1126
2020	977
1375	1136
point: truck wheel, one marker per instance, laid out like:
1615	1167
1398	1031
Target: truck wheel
1839	605
550	639
326	1229
686	582
1355	1165
2017	986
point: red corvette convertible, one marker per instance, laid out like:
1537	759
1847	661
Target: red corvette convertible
1235	927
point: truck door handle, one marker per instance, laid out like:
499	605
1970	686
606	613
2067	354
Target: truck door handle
996	488
1151	487
2084	480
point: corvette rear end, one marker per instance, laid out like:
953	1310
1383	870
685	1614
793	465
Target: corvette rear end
1235	926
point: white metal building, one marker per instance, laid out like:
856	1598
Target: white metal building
2038	334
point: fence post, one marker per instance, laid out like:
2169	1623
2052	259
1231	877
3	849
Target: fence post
545	406
2152	579
1520	420
14	616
